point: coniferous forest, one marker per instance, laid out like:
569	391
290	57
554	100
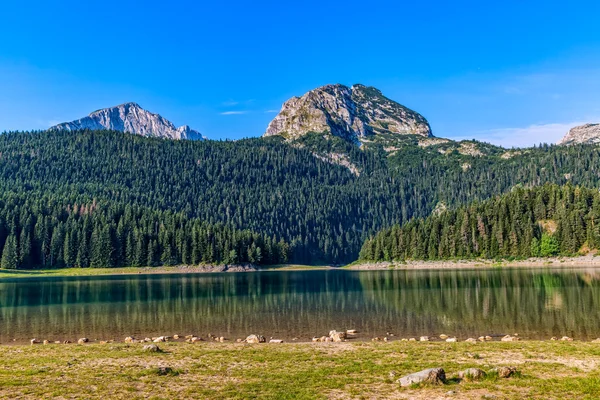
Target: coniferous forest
240	195
543	221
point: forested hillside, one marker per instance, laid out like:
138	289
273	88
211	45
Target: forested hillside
41	231
323	210
542	221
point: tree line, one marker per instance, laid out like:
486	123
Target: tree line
323	211
544	221
38	231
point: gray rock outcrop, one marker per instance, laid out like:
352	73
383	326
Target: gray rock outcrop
588	133
132	118
352	113
433	375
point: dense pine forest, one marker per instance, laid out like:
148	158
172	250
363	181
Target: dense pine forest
40	231
544	221
323	211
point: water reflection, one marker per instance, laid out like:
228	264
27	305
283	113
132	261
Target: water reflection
301	304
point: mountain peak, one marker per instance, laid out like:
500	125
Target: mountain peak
352	113
130	117
587	133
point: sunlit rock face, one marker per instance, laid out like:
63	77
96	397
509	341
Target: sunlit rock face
132	118
352	113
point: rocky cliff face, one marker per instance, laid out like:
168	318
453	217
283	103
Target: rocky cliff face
353	113
130	117
588	133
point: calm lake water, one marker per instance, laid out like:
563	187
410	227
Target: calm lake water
303	304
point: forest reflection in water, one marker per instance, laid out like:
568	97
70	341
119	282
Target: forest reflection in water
284	304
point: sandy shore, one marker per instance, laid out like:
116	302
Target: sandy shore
554	262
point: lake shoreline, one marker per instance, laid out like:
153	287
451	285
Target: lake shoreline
553	262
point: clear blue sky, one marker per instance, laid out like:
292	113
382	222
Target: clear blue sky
512	72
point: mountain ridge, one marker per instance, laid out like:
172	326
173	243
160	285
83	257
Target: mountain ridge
131	117
352	113
587	133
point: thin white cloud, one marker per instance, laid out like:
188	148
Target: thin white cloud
526	136
230	103
234	112
272	111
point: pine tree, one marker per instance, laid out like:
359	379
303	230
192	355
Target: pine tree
10	257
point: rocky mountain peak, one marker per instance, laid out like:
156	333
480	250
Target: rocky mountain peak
130	117
352	113
588	133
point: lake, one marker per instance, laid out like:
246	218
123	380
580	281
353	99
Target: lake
301	304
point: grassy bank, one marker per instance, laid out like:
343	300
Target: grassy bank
12	273
296	371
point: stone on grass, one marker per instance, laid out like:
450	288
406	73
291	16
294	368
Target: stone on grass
424	339
151	348
473	374
434	376
471	340
83	340
255	339
451	340
351	331
443	336
34	341
276	341
509	338
566	339
337	336
504	372
129	339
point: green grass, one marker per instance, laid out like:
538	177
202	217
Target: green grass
12	273
295	371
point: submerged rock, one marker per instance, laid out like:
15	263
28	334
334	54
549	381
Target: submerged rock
433	375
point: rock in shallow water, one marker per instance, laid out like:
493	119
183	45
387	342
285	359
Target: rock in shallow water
433	375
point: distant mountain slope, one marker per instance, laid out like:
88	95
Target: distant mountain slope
323	210
588	133
352	113
132	118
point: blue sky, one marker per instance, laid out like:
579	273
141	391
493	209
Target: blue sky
513	72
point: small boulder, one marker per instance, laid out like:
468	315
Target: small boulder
434	376
160	339
34	341
351	332
46	342
256	339
473	374
451	340
424	339
471	340
151	348
504	372
82	340
509	338
276	341
337	336
176	337
566	339
129	339
443	336
596	340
